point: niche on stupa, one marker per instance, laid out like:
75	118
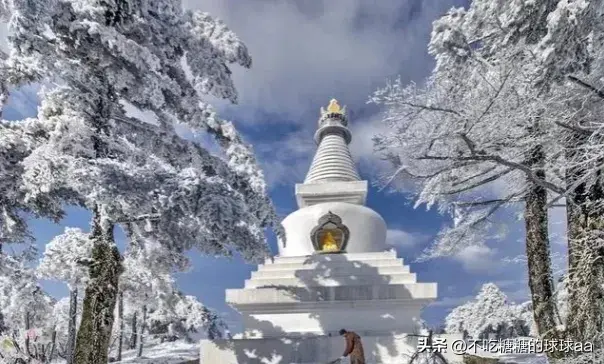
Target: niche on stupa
330	235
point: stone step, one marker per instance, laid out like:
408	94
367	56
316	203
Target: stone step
334	257
289	295
310	273
332	264
332	282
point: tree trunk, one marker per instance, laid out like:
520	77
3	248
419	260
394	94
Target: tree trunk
134	334
585	271
100	297
27	334
585	221
120	337
53	345
538	250
142	334
71	334
3	327
540	276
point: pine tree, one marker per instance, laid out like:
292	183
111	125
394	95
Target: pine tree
110	53
65	259
536	128
468	128
489	314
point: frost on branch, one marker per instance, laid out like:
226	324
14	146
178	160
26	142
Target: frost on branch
17	141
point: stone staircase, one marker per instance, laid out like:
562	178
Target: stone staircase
331	277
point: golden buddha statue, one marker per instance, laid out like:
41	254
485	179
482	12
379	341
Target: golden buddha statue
329	243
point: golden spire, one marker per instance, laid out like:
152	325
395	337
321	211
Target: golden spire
334	107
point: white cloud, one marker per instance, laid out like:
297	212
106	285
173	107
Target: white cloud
447	302
401	238
478	259
305	53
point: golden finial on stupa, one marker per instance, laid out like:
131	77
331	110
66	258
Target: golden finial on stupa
334	107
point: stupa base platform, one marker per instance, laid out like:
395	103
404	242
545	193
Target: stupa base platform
313	349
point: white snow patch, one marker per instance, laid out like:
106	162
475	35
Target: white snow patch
165	353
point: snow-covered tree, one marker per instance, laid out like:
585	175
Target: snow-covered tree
489	315
561	294
533	129
17	141
61	321
146	282
183	315
65	259
473	124
26	310
106	55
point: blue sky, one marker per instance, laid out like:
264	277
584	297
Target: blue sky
302	57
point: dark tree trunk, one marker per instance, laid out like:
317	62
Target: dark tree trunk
538	253
540	277
71	334
538	250
120	313
142	334
585	221
27	335
100	297
3	327
53	345
585	271
134	333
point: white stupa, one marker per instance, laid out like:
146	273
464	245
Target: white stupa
334	271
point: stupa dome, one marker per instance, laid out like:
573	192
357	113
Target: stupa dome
366	229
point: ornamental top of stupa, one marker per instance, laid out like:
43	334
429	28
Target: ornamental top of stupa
332	161
332	216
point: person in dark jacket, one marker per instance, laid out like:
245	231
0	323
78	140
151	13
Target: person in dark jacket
354	347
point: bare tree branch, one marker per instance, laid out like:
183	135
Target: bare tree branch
146	217
573	128
495	158
485	203
431	108
586	85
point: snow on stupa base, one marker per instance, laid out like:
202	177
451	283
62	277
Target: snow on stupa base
379	349
293	307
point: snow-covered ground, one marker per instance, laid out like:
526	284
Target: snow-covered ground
165	353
